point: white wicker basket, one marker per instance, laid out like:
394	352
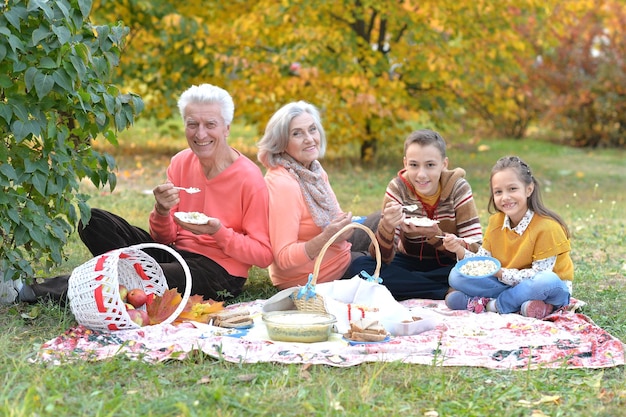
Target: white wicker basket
305	298
93	289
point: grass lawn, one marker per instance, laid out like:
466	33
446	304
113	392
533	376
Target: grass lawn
585	187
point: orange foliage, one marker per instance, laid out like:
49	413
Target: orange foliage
196	309
373	68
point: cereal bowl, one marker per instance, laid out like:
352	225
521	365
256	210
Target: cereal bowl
478	266
298	326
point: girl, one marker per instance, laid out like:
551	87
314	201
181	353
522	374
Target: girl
532	244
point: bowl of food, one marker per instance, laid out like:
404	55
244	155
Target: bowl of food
478	266
298	326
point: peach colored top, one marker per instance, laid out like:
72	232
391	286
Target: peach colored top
291	226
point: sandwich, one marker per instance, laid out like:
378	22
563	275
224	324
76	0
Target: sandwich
232	318
366	330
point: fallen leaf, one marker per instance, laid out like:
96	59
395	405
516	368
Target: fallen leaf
204	380
162	307
246	377
196	309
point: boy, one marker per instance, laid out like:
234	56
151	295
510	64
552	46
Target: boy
424	201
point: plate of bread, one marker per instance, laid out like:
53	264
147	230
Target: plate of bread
365	331
232	319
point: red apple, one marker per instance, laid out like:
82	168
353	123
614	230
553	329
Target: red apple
137	297
123	293
139	316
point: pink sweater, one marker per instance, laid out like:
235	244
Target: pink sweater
291	226
237	196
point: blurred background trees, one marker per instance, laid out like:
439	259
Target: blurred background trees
379	68
74	70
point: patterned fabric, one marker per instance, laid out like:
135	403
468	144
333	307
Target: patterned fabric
565	339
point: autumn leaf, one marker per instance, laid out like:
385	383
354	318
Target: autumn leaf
196	309
199	310
162	307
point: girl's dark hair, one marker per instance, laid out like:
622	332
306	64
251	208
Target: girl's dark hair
534	201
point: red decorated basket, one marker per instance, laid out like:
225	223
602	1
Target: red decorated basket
93	290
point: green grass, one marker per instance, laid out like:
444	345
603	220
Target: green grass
585	187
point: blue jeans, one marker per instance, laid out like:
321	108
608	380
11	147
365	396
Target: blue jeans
545	286
408	277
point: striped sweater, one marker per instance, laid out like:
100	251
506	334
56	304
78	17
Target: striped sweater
455	210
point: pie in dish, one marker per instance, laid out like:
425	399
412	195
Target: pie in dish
192	217
420	221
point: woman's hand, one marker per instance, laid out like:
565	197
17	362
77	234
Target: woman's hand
166	197
314	246
337	224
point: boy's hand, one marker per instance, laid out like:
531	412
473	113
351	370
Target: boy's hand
392	215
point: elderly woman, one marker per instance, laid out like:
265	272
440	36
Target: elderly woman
303	209
231	193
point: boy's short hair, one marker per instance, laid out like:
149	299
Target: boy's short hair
425	137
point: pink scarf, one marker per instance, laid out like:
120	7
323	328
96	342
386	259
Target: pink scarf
317	193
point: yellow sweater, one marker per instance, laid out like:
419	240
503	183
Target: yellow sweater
543	238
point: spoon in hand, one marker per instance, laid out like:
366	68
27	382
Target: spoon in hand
190	190
468	240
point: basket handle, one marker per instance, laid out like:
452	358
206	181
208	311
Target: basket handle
187	292
318	261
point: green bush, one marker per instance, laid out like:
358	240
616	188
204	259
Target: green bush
54	99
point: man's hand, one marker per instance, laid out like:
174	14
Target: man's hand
166	197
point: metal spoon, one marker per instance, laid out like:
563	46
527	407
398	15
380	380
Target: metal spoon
468	240
190	190
411	207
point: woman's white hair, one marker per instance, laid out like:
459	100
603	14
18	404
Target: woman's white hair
276	137
208	94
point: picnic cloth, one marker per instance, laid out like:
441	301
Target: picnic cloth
565	339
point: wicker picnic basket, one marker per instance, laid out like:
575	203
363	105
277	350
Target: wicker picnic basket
305	298
93	289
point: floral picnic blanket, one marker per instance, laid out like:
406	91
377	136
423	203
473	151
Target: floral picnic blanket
565	339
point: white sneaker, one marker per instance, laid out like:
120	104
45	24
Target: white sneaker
9	290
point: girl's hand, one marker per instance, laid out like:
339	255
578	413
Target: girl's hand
452	244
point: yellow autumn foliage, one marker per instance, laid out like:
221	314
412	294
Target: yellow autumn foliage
372	67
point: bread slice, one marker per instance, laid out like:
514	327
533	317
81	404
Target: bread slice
232	318
366	330
367	337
